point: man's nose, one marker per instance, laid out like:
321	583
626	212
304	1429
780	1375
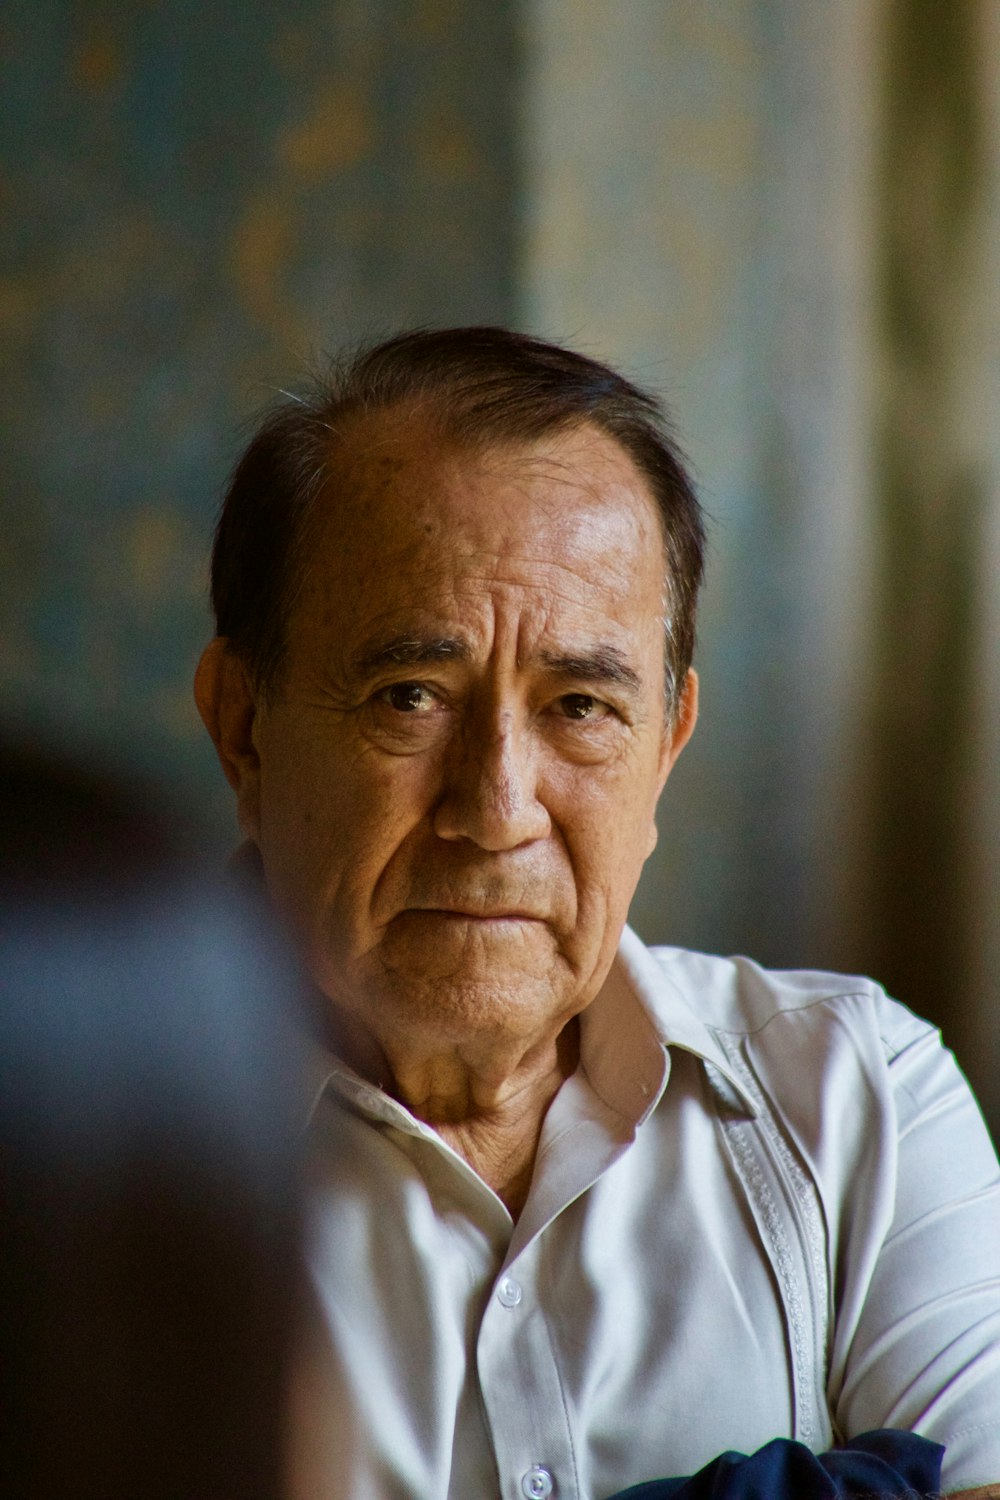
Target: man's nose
490	792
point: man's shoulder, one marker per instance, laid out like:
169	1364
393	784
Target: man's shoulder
840	1067
741	998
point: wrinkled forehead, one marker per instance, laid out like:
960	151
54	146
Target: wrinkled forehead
418	536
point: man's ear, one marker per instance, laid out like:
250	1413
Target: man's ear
228	705
681	728
676	733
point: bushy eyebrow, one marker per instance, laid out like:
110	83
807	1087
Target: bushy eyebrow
410	651
602	664
605	663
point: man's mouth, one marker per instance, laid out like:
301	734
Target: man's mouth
477	914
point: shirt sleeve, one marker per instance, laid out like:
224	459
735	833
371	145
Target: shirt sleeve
917	1336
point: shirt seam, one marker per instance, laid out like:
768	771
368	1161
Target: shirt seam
796	1010
974	1427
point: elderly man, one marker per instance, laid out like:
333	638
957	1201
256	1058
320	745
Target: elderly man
584	1213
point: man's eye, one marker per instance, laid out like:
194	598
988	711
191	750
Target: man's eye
408	697
582	706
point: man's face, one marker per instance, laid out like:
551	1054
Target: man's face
454	785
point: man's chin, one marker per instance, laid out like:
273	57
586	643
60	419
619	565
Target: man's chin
465	974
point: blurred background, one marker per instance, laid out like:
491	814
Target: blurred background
783	215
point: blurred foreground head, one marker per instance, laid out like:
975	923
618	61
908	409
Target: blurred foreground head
148	1127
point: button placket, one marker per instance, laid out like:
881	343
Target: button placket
521	1387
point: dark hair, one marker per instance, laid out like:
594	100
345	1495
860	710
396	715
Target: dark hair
480	386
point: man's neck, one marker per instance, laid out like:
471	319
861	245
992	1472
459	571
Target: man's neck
493	1120
501	1144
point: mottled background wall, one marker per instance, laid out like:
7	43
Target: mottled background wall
196	200
783	214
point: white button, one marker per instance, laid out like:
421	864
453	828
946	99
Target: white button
537	1483
509	1293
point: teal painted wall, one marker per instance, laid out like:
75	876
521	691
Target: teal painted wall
195	199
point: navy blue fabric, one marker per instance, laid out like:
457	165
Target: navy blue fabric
889	1465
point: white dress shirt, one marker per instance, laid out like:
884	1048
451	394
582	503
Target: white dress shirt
765	1205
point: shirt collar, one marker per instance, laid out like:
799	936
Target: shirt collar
325	1071
626	1033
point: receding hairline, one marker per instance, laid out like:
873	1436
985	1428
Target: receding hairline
348	443
346	451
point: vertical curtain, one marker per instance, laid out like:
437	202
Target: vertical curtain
933	484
